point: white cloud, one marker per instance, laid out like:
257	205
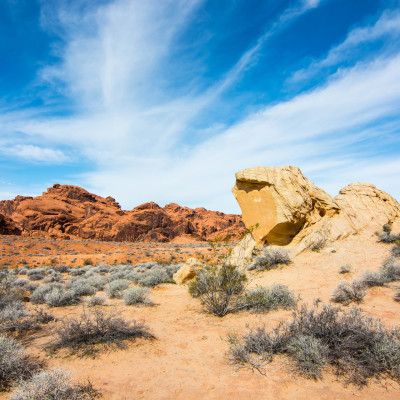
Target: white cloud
35	154
388	24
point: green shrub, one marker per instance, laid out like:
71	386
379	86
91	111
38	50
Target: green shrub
219	289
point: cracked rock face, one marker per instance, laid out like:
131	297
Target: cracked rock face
280	206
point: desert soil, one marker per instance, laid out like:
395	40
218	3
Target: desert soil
187	360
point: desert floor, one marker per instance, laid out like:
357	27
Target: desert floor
187	360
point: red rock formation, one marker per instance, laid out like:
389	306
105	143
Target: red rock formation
66	211
8	227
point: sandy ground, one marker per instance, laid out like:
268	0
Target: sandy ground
187	360
17	251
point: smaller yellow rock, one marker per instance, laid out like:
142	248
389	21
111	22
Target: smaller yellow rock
188	271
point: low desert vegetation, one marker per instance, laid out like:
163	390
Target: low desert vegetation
355	290
115	288
136	296
345	269
319	244
222	290
397	295
350	344
396	250
15	364
348	292
386	236
95	301
265	299
93	331
14	316
219	288
270	258
55	384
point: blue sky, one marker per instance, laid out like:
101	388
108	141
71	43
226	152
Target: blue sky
164	100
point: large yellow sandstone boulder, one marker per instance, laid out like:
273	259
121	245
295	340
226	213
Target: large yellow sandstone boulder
282	207
278	202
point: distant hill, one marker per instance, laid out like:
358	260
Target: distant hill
67	211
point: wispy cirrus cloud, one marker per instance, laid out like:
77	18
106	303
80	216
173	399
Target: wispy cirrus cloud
387	26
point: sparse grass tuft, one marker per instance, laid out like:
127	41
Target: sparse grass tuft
319	244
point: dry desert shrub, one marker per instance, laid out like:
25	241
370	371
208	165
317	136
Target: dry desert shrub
355	347
263	299
269	259
219	288
386	236
92	331
396	250
15	365
155	277
345	269
348	292
115	288
355	291
95	301
60	297
136	296
54	385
